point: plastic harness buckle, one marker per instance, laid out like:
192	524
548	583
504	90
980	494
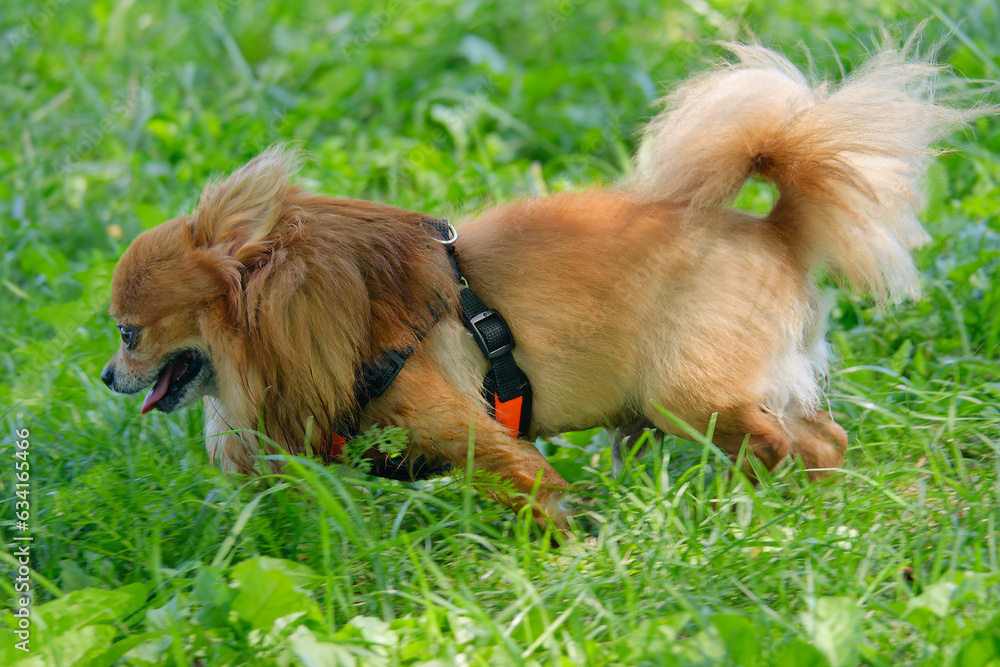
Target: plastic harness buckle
491	333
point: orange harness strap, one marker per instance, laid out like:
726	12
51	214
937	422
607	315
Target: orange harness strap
508	413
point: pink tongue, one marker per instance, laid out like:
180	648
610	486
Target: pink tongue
159	390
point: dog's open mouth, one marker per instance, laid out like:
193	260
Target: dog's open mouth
174	377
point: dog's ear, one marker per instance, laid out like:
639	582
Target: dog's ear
238	214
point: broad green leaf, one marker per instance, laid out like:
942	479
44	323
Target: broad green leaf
117	650
80	645
214	594
983	649
266	595
937	598
374	630
303	577
835	627
799	654
170	616
87	607
312	652
739	635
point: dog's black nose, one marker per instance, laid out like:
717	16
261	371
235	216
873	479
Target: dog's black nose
108	375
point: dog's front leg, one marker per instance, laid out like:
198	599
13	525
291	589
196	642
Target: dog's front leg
515	461
228	441
440	421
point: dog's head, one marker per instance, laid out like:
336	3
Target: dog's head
180	284
159	294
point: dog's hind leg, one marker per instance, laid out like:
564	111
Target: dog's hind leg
762	431
816	439
820	442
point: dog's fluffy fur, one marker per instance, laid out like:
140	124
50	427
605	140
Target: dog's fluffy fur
651	293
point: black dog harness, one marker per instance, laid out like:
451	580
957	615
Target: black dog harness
506	388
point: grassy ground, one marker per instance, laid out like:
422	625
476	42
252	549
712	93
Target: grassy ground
112	116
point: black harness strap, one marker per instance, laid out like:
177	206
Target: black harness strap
376	376
505	388
373	380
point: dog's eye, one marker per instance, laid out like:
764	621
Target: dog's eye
129	335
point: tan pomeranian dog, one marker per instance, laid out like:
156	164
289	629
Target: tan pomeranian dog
269	300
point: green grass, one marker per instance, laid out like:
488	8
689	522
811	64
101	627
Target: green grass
113	114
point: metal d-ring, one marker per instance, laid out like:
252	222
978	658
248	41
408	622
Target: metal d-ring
451	239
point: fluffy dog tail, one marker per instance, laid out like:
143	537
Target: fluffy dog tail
847	160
